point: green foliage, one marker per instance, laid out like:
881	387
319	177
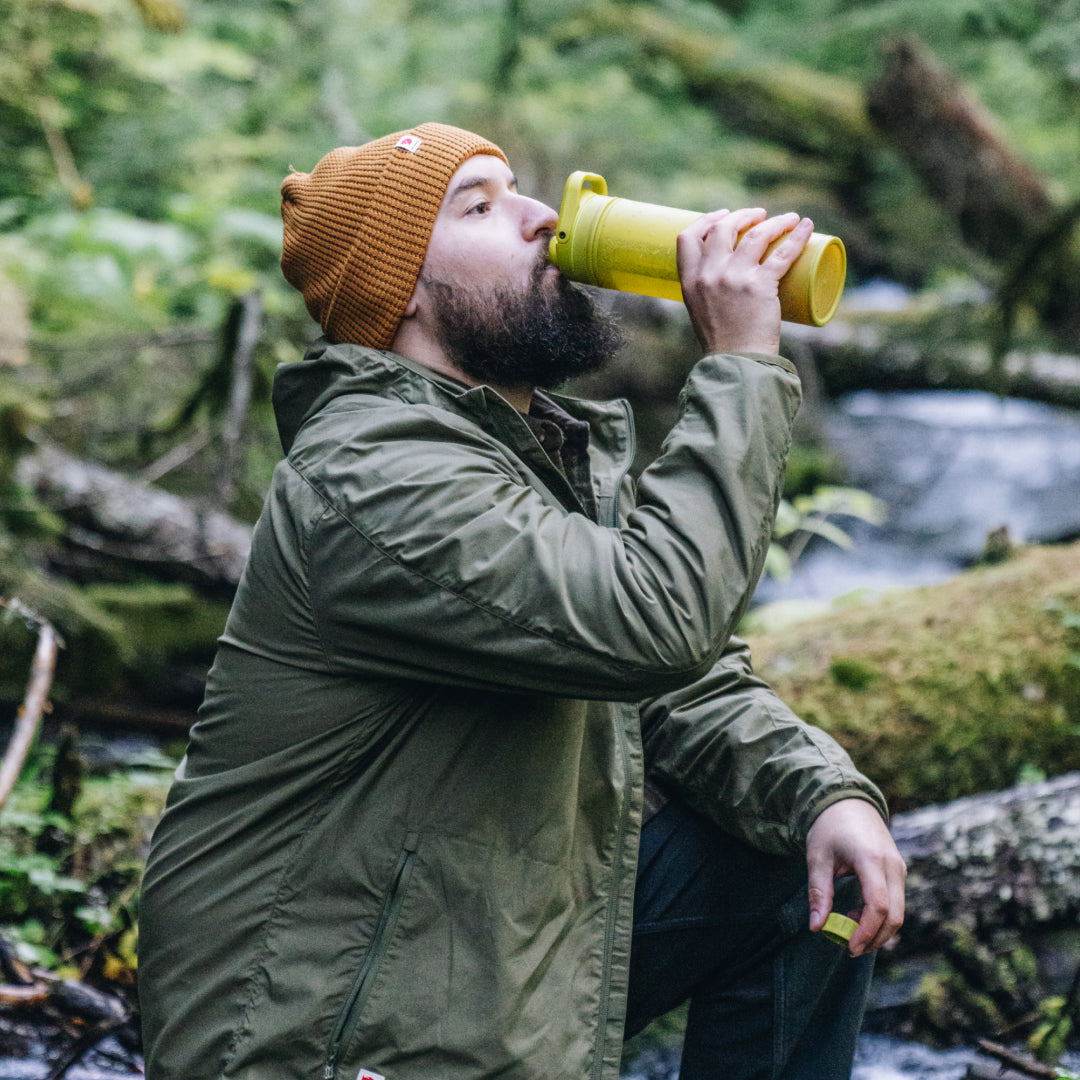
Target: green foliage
852	673
805	516
68	884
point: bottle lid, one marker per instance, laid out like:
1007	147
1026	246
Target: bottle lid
839	928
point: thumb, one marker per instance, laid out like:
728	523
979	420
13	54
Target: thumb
820	891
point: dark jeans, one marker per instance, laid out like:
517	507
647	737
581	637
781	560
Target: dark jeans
725	926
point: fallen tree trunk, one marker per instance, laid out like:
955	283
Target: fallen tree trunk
114	521
1000	203
1007	860
782	101
951	142
852	356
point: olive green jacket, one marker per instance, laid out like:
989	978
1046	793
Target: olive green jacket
404	837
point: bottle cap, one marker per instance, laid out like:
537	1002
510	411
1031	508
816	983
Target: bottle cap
839	928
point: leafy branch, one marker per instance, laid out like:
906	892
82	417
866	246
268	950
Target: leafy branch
807	516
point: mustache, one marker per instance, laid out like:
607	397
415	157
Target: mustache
541	266
543	261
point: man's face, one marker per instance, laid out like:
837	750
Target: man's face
487	234
502	313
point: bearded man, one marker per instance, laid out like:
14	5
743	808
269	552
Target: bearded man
467	659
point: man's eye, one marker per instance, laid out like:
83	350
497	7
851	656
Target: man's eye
480	208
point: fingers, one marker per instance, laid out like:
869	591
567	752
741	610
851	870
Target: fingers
850	837
751	236
730	264
821	892
882	912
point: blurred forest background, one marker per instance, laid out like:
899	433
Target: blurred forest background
142	314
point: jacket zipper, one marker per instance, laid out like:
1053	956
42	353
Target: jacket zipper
624	810
350	1011
613	913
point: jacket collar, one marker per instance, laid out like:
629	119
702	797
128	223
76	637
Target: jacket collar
328	371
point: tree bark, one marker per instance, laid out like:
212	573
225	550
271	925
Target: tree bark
30	712
1000	203
116	522
1010	859
950	142
796	107
244	330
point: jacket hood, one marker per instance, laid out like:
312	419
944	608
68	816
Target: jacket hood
328	371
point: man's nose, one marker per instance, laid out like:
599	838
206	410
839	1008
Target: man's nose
539	219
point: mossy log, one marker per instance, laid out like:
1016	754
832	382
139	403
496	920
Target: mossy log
849	356
794	106
1002	206
113	521
948	690
1005	860
953	145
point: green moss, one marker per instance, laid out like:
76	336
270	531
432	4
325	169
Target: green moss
810	467
159	622
114	635
852	673
972	685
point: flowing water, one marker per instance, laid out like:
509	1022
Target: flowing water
878	1057
950	466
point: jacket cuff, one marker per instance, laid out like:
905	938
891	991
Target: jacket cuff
868	794
769	359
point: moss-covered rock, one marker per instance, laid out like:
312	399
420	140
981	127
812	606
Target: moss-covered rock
946	690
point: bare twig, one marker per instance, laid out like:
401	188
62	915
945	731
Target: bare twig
176	457
30	712
82	194
85	1042
1017	1061
248	316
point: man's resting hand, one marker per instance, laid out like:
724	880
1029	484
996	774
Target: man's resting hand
849	837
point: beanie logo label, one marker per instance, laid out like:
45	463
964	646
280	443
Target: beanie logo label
409	142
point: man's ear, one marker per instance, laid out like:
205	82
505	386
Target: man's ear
411	334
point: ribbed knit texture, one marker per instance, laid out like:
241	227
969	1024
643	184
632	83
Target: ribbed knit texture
357	227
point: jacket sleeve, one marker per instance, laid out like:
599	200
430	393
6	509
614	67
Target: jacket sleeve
422	550
731	749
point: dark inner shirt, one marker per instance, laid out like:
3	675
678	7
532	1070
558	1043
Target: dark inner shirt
566	441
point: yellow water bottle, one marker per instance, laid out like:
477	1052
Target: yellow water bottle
630	246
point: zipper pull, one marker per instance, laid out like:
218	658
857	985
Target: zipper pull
328	1069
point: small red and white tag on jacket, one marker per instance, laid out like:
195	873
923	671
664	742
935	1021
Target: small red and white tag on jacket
367	1074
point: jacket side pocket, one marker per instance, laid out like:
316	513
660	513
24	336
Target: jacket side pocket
369	967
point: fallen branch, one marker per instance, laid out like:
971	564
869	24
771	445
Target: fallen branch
83	1044
31	710
1010	859
1016	1061
851	356
116	521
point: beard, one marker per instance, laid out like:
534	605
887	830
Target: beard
538	335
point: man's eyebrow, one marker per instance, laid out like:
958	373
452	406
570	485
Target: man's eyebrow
473	182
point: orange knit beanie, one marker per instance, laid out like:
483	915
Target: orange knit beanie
358	225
